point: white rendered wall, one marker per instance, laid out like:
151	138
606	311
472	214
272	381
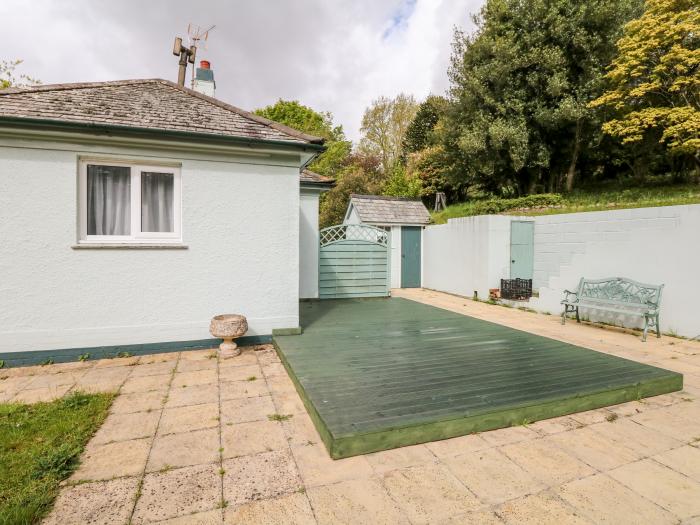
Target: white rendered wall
395	257
353	218
308	245
466	255
240	223
652	245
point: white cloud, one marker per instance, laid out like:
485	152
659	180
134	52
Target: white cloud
333	56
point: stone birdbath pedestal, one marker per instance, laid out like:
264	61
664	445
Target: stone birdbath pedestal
228	327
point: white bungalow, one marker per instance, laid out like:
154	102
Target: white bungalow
131	212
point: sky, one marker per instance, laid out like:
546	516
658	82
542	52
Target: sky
332	55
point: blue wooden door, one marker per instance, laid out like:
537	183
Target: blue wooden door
522	249
353	262
410	256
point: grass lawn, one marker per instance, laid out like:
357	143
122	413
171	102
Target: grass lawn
594	199
39	446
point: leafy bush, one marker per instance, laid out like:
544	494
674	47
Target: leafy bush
493	206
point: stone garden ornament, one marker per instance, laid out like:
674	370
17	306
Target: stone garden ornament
228	327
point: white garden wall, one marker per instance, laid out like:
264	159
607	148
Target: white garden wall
308	245
466	255
240	227
654	245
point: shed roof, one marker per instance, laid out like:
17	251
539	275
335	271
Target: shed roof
309	177
375	209
150	104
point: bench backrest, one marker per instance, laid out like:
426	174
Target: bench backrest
621	291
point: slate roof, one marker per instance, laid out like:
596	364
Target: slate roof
375	209
309	177
153	104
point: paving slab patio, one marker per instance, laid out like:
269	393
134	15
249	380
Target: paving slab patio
160	459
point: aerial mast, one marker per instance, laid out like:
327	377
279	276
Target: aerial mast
195	35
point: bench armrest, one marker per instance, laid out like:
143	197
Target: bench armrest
569	295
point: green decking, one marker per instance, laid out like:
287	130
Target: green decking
381	373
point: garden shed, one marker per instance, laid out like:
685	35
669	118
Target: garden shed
404	219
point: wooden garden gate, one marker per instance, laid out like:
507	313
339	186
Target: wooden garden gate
353	262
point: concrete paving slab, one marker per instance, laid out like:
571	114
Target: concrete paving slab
178	492
123	427
293	509
192	395
355	502
99	503
182	450
603	500
429	494
188	418
113	460
261	476
243	439
247	409
665	487
493	477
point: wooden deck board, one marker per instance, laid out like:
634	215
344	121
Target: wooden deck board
381	373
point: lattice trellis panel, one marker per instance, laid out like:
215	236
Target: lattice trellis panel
354	232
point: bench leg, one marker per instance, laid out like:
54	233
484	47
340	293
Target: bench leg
658	327
578	320
646	329
563	315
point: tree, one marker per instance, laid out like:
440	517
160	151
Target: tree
305	119
518	119
384	126
402	183
8	77
362	174
419	134
655	79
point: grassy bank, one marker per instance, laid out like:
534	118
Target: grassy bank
39	447
577	201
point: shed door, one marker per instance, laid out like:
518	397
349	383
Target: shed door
410	256
522	251
353	262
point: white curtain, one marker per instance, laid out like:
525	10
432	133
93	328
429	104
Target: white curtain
108	200
157	202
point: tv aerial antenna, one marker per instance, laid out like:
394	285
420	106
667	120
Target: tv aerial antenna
196	36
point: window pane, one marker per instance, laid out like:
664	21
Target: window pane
157	202
108	200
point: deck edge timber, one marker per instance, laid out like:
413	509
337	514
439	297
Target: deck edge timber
400	436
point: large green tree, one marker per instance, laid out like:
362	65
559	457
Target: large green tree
419	134
654	83
295	115
384	126
519	119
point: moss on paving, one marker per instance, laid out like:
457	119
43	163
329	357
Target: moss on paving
39	447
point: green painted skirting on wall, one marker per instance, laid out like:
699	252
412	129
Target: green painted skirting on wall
376	374
36	357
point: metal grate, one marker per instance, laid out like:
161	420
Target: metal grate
517	289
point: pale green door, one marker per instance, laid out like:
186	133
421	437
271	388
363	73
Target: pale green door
522	249
410	256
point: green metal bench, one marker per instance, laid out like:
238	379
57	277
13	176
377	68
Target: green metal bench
617	295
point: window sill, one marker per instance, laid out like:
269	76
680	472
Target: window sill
129	246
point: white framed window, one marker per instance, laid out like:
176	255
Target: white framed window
125	203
